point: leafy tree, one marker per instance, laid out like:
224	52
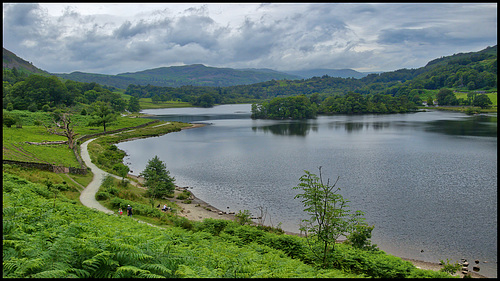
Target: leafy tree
8	120
430	101
482	101
205	100
446	97
103	114
157	179
330	217
133	104
122	171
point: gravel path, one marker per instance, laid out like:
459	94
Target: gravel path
87	197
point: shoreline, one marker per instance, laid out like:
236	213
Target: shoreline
198	210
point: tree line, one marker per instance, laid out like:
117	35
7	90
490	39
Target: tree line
46	93
302	107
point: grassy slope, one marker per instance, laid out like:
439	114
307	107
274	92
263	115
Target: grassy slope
47	236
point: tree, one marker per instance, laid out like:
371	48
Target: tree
157	179
8	120
330	217
122	171
482	101
430	101
63	127
102	115
446	97
133	104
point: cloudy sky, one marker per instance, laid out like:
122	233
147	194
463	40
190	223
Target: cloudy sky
117	38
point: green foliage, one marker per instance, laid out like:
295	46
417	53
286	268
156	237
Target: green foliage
133	104
482	101
360	237
157	178
243	217
295	107
185	194
446	97
103	115
8	120
329	214
63	240
450	268
205	100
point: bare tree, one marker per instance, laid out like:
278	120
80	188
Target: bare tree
63	127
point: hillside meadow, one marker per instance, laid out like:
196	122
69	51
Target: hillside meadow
47	235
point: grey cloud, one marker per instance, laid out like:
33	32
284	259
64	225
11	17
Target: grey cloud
127	30
194	29
277	36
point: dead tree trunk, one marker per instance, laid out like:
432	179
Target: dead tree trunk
63	127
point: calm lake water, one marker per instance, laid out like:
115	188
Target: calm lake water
426	180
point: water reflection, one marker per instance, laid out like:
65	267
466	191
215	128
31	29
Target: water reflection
481	126
300	129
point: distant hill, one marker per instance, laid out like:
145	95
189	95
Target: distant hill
341	73
176	76
10	60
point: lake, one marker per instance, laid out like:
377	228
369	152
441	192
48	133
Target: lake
426	180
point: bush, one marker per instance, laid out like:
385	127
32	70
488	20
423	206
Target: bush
213	226
243	217
184	195
112	190
101	195
8	120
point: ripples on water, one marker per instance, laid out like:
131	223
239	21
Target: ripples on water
428	181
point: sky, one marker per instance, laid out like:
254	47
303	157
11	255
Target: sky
128	37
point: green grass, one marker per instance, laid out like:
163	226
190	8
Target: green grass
146	103
492	96
16	148
53	237
40	176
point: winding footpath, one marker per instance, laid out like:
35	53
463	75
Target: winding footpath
87	197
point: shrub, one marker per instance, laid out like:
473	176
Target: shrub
112	190
213	226
184	195
107	181
8	120
101	195
243	217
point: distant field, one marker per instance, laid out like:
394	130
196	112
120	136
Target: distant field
146	103
492	96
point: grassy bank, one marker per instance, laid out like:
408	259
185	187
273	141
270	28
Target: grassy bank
48	236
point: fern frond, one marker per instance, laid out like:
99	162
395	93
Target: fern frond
81	273
128	271
157	268
57	273
10	266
